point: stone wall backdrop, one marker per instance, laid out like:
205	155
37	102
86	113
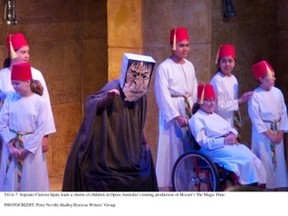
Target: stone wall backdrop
281	45
68	44
281	66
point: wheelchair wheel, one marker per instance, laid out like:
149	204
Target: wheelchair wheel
194	171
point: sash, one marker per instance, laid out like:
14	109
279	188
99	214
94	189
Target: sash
274	128
17	142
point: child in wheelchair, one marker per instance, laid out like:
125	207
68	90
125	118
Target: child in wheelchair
218	140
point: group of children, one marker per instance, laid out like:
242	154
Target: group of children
26	120
216	123
268	115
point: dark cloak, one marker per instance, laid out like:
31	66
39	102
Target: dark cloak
110	152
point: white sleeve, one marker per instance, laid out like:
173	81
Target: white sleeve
50	128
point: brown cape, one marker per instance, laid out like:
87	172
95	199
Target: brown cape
109	152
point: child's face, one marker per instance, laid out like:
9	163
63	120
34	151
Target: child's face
22	55
21	87
227	65
208	105
182	49
268	81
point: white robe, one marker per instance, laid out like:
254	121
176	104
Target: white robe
269	106
226	89
172	82
24	114
208	130
6	88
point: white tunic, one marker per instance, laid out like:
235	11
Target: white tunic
208	130
172	82
6	88
226	89
269	106
24	114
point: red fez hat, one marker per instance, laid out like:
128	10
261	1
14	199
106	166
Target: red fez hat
177	35
17	41
225	50
21	72
205	91
261	69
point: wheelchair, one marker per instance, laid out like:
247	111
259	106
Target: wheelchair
195	171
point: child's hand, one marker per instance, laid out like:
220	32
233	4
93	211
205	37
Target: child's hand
23	153
181	121
45	144
279	137
246	96
274	137
14	151
230	139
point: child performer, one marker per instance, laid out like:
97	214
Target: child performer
22	126
218	140
268	114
